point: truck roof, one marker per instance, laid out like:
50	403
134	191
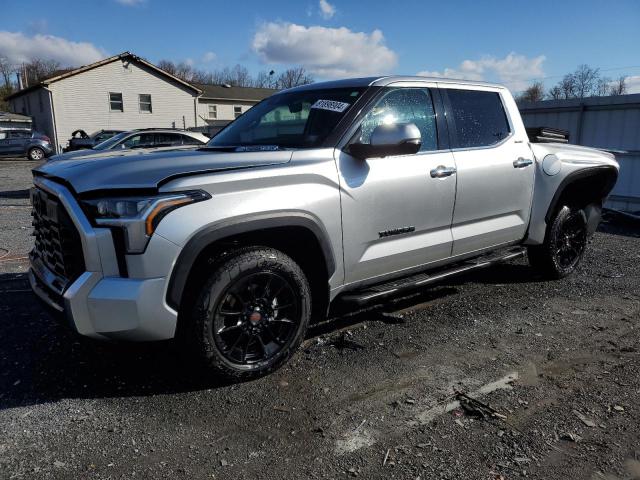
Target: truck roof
384	81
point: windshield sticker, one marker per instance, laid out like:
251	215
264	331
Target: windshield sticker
331	105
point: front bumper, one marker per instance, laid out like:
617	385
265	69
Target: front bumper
99	303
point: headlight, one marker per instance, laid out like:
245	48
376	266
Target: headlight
138	216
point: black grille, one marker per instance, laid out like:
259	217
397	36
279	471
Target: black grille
57	243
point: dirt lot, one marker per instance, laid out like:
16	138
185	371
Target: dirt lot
369	396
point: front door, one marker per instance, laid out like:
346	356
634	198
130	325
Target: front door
495	170
395	214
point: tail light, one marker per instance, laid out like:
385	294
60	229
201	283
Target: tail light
46	139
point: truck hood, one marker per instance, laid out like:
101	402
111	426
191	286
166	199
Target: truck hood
148	170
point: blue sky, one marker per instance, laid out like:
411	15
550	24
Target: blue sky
507	41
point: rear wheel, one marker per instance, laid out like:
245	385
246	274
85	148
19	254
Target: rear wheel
564	245
251	314
36	154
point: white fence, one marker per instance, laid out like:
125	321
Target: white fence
610	123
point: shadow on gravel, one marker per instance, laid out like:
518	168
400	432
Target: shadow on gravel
14	194
42	361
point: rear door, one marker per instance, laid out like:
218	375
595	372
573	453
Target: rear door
494	168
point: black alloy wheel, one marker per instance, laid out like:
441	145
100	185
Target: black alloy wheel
251	313
564	245
256	318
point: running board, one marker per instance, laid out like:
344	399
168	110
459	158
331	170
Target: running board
395	287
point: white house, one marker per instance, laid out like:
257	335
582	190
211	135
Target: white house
120	92
125	92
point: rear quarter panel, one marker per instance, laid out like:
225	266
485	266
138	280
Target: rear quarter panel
568	160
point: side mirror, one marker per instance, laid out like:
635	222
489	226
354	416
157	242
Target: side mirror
386	140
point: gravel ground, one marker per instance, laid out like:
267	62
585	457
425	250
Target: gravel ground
368	396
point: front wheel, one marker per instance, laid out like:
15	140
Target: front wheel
564	245
251	314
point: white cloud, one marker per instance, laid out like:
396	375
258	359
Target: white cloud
208	57
18	47
326	52
130	3
327	10
514	70
633	84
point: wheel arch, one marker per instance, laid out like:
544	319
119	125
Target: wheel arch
279	230
583	187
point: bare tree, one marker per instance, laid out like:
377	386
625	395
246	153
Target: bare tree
534	93
603	87
555	93
619	86
586	80
38	69
264	79
568	86
294	77
168	66
7	70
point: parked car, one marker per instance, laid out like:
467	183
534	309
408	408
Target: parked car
80	140
349	191
17	143
147	138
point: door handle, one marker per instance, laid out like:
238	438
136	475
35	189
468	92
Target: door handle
441	171
522	162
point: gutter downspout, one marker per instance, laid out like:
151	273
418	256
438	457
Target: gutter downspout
196	101
53	120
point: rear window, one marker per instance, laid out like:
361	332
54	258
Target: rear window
479	118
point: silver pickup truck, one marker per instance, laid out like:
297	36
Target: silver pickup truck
349	191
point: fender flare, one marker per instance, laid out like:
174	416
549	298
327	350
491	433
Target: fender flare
245	224
608	170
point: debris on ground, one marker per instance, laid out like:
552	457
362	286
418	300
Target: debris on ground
583	419
477	408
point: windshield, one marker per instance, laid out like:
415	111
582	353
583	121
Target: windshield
300	119
107	144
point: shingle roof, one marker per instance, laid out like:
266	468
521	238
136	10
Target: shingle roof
62	74
221	92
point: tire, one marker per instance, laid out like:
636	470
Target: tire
564	245
250	315
36	154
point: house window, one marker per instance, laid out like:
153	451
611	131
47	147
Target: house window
237	111
144	101
213	111
115	102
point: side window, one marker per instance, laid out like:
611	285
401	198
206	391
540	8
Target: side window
479	117
187	140
115	102
404	105
167	139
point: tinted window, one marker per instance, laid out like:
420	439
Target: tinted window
19	134
138	141
167	139
404	105
479	118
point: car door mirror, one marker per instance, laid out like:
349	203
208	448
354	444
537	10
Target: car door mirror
389	139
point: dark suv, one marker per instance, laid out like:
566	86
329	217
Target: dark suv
34	145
